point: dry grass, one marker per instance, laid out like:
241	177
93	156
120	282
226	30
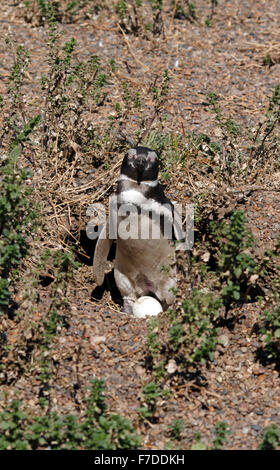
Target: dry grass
219	155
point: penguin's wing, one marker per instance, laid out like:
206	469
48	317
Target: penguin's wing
178	234
177	229
102	249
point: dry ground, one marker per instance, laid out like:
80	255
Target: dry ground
101	341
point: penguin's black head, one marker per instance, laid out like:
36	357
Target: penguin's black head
140	164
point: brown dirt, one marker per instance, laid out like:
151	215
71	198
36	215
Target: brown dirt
101	341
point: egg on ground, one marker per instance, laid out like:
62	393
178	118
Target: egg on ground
146	307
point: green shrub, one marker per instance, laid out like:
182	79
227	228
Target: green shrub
185	335
96	429
175	429
103	431
151	392
220	431
64	267
12	426
234	262
18	216
192	334
270	332
271	438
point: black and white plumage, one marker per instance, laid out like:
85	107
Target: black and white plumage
144	265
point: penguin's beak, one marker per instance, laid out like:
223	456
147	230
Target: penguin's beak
140	166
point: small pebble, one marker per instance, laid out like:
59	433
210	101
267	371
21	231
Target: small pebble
256	427
224	340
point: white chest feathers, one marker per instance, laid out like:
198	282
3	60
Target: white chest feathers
132	196
137	198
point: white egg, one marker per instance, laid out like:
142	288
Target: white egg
146	307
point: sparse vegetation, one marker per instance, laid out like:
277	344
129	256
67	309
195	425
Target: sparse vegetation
189	335
220	431
56	316
235	264
151	393
271	438
95	430
18	217
229	276
270	331
98	78
176	428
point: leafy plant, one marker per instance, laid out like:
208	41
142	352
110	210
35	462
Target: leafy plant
160	92
129	14
65	267
271	438
176	428
12	423
158	25
105	432
272	114
54	431
154	347
267	60
73	90
209	18
199	338
198	444
235	264
18	69
150	394
221	431
65	11
270	332
227	124
184	9
189	336
18	217
96	429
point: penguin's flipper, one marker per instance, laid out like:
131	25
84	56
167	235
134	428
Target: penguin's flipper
177	229
178	234
102	249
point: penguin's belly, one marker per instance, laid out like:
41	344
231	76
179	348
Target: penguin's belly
145	260
148	265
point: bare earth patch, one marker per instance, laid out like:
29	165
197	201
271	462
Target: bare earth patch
98	340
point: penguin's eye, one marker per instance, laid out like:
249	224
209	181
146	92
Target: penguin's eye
152	157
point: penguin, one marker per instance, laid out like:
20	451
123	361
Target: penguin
145	263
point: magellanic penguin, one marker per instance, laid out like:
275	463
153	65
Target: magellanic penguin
145	257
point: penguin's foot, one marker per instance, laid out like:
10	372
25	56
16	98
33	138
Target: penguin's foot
128	305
